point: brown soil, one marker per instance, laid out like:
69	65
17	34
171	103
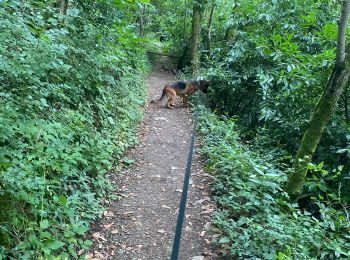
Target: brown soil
142	224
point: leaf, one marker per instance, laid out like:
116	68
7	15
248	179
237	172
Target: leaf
224	240
342	151
80	229
44	224
54	244
52	257
88	243
258	170
62	200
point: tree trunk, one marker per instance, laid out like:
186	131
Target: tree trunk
230	33
210	24
62	6
141	20
185	25
346	104
195	37
181	63
142	27
323	111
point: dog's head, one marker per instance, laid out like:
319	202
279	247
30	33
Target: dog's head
203	86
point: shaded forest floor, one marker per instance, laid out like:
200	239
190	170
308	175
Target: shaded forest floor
141	225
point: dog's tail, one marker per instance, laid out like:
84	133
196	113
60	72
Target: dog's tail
158	100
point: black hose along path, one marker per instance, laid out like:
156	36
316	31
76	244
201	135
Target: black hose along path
142	224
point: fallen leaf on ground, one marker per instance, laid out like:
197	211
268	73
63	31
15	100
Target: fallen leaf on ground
207	209
108	225
97	235
200	257
198	202
139	247
122	195
115	231
108	213
160	118
98	256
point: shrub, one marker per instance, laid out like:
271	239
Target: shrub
253	217
69	100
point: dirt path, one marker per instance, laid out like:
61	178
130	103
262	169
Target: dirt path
142	224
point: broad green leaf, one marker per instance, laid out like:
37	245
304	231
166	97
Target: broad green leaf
44	224
54	244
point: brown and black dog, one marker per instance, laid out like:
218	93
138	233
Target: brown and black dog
182	88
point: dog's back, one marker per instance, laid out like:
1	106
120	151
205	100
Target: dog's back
180	84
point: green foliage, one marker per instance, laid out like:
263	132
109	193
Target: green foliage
272	75
266	79
170	21
70	91
253	217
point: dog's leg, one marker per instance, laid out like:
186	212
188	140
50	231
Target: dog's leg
171	95
185	100
170	104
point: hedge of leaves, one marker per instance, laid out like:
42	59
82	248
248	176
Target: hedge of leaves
71	88
267	79
274	71
253	216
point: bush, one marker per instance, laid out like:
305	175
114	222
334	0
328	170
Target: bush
69	100
253	217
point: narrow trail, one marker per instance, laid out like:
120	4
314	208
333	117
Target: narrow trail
142	224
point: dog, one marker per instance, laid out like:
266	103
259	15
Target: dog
182	88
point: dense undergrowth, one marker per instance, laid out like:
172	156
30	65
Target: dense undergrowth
267	81
254	217
71	87
268	63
